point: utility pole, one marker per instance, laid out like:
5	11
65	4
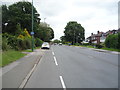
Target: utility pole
32	33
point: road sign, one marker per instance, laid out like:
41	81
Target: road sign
32	33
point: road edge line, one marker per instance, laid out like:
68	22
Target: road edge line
24	82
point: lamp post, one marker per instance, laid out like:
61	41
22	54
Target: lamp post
32	33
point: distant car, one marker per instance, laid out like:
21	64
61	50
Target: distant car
45	45
55	43
60	43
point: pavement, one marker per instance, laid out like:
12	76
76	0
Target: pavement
75	67
14	73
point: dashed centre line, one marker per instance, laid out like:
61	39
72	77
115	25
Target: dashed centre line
53	53
55	61
63	84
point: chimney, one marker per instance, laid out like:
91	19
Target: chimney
98	32
91	34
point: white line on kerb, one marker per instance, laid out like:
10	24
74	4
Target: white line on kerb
53	53
63	84
55	61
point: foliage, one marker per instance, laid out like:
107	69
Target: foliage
16	26
85	44
99	46
74	32
5	45
19	15
17	43
113	41
44	33
24	34
21	37
12	40
77	44
38	42
56	41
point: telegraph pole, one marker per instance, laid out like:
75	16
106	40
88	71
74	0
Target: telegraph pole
32	33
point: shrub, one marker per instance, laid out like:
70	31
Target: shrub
85	44
27	41
12	40
77	44
17	43
99	46
5	45
38	42
24	44
112	41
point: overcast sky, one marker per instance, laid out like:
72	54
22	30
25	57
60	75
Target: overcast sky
93	15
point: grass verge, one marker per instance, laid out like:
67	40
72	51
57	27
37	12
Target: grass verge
30	50
10	56
111	49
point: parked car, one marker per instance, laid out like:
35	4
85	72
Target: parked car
60	43
45	45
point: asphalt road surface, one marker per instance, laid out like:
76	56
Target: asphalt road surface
75	67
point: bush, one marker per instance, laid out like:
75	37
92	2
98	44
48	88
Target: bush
5	45
24	44
12	40
17	43
99	46
38	42
112	41
77	44
85	44
28	43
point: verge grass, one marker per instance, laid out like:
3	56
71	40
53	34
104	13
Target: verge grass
10	56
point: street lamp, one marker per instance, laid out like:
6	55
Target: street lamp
32	33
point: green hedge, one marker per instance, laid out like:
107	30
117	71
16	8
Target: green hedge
113	41
38	42
5	45
15	43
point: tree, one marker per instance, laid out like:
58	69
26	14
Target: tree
56	41
63	40
74	32
19	13
44	32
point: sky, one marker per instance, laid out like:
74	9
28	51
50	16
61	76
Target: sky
93	15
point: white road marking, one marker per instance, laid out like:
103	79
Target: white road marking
53	53
27	77
55	61
63	84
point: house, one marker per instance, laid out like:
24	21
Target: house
101	36
97	38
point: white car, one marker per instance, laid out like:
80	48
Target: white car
45	45
60	43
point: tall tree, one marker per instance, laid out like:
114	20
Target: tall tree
19	13
44	32
74	32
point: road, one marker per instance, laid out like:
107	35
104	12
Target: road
75	67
